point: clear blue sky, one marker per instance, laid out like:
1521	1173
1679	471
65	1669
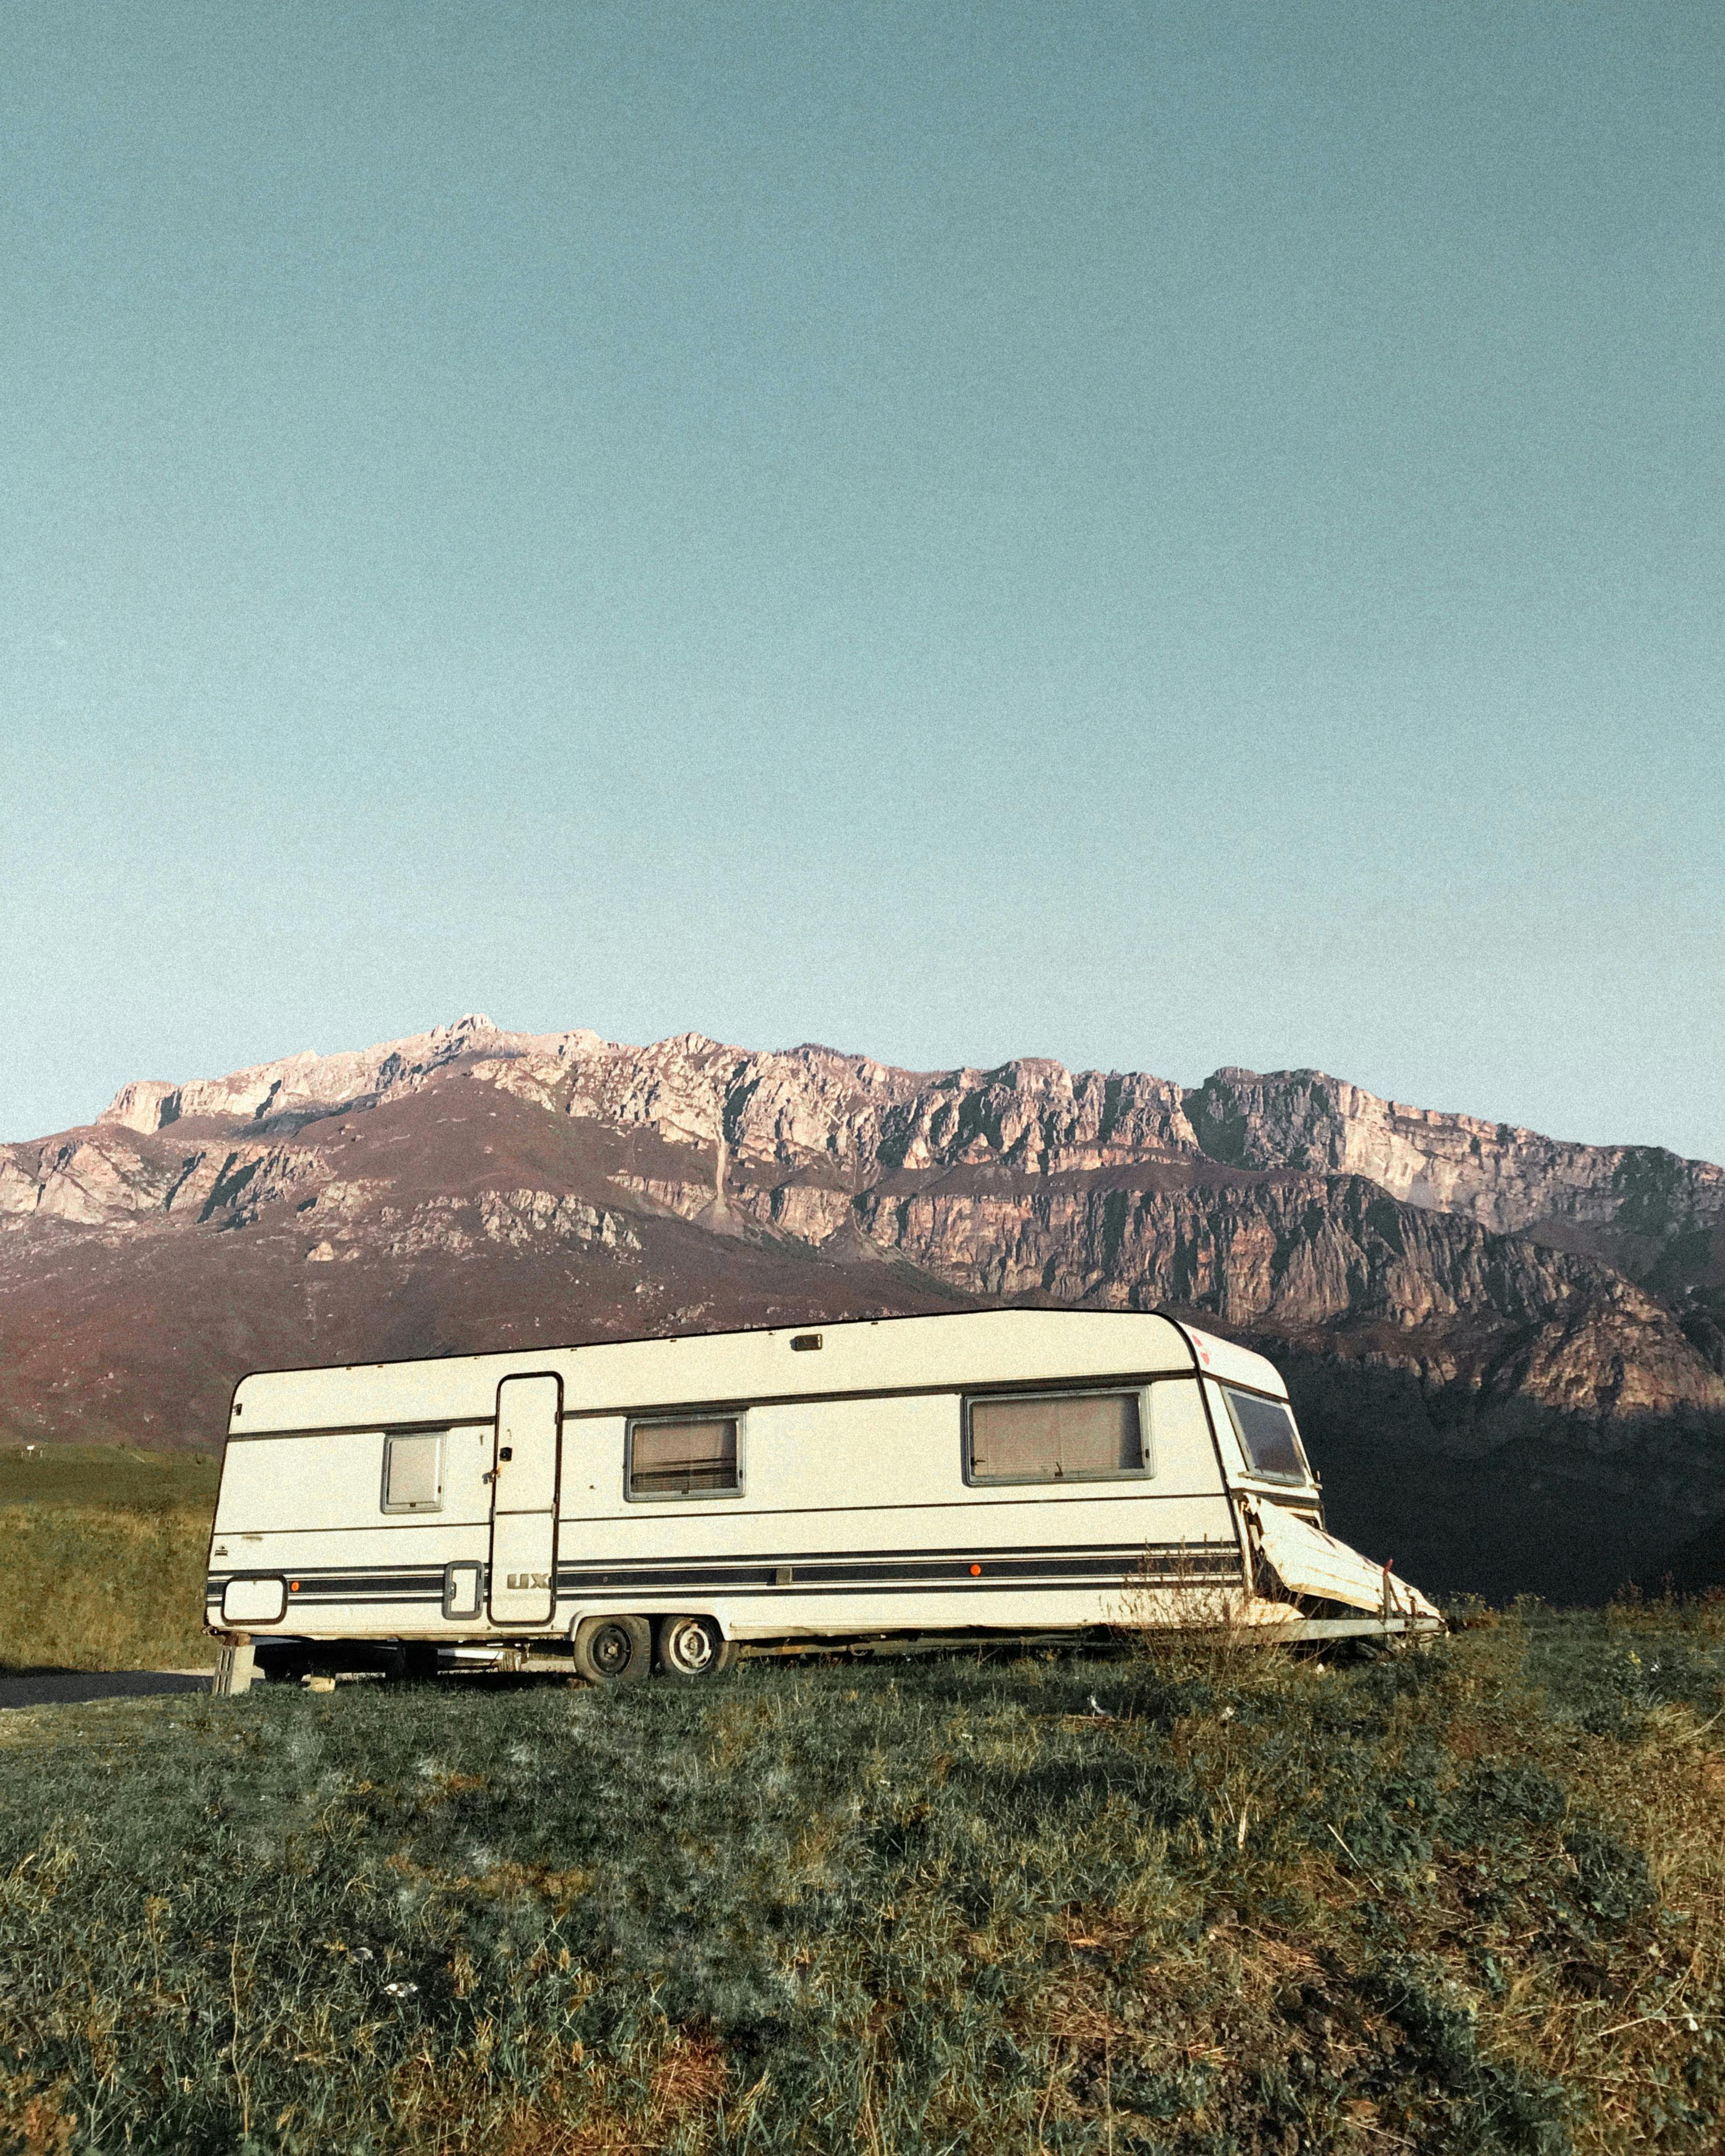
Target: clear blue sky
1157	536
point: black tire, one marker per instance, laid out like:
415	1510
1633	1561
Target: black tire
692	1647
610	1650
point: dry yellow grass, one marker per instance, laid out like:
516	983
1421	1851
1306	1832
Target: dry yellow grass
92	1587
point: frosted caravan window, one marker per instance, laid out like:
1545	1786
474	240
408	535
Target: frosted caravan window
1265	1430
413	1472
1055	1437
691	1459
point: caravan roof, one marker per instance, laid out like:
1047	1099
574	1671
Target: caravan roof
944	1352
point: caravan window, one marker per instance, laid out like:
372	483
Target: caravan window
1053	1437
695	1458
413	1471
1265	1430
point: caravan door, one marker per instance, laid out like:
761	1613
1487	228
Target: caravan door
527	1454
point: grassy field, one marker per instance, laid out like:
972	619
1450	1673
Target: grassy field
102	1551
89	1587
1471	1898
104	1476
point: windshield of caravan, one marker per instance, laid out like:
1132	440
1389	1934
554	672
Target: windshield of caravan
1265	1430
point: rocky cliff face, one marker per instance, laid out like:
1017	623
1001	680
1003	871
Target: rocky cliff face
1651	1215
471	1186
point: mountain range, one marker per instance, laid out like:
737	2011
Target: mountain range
1508	1352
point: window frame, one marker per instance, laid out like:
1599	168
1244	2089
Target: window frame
660	1420
476	1614
1303	1478
1137	1388
396	1508
242	1579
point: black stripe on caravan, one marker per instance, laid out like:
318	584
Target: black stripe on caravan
691	1579
376	1429
1203	1555
348	1598
969	1552
956	1572
904	1572
882	1588
1042	1495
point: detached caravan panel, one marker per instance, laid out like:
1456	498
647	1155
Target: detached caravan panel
988	1472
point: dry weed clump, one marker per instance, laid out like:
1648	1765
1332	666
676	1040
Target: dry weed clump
1193	1626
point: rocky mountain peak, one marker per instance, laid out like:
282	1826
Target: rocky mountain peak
311	1080
471	1186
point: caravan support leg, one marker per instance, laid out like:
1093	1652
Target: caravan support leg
235	1667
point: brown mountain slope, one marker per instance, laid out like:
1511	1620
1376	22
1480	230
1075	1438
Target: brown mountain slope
1503	1343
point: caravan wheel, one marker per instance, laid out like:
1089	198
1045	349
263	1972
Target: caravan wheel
693	1647
611	1650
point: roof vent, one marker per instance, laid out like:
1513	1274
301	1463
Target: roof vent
801	1342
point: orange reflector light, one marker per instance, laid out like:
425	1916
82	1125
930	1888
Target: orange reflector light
293	1587
975	1571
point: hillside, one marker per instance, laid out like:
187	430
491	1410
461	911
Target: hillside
1510	1351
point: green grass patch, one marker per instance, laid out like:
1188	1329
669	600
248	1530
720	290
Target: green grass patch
98	1586
102	1555
1467	1899
116	1474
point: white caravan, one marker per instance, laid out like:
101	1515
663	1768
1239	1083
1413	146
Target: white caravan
989	1474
